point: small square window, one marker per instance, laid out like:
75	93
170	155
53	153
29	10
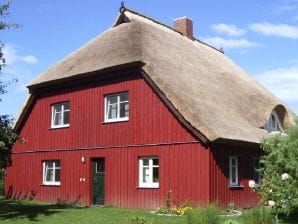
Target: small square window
149	172
60	115
51	172
117	107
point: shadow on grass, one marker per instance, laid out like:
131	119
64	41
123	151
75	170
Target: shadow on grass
13	210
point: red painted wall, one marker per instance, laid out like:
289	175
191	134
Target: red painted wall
181	168
220	190
184	168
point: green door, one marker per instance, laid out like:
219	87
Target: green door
98	168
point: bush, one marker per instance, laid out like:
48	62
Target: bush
208	214
1	183
138	220
258	215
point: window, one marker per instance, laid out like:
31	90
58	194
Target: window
60	115
149	172
233	171
51	172
256	166
273	124
116	107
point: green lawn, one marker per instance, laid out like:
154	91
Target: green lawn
35	212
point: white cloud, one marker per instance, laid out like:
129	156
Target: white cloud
283	83
279	30
12	56
230	43
229	29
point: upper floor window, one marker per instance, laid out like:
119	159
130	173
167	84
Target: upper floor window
51	172
273	124
60	115
149	172
116	107
233	171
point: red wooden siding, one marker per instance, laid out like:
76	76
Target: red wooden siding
220	191
149	120
151	130
182	170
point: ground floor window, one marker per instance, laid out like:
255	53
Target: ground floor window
233	171
51	172
149	172
256	167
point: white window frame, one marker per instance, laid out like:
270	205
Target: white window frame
269	125
106	112
231	173
62	114
150	184
44	172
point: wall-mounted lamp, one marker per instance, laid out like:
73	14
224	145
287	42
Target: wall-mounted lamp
83	159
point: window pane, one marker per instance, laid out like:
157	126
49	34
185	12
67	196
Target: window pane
112	99
49	174
66	117
57	164
58	118
155	162
155	175
233	162
233	175
57	177
57	108
124	109
66	106
146	175
145	162
112	111
273	120
123	97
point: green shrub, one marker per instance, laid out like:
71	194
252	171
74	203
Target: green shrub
208	214
138	220
258	215
1	182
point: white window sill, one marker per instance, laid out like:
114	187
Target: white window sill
235	186
115	120
149	186
56	184
60	126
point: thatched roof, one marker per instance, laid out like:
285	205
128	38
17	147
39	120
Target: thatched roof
212	93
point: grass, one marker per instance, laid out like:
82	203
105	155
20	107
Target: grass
27	212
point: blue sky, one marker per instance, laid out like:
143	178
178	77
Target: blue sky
260	36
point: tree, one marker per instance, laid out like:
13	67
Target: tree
7	134
279	184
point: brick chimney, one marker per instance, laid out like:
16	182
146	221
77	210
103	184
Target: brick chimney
184	25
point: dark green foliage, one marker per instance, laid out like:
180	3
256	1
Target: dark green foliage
208	214
280	172
7	139
259	215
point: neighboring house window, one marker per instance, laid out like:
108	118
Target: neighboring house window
116	107
273	124
51	172
256	166
233	171
149	172
60	115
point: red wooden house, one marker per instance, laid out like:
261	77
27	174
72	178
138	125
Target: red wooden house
141	110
